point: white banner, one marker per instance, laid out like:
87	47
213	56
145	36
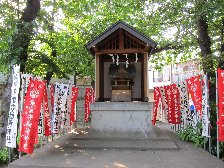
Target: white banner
56	113
164	104
205	120
41	121
184	102
11	133
61	117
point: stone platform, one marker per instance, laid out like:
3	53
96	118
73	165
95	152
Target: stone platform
122	119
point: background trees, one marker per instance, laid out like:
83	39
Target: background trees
50	39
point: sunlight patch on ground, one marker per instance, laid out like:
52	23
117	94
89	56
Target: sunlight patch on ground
119	165
57	146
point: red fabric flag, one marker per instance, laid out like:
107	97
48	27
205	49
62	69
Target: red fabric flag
176	104
47	118
157	97
88	100
30	116
74	99
173	103
220	120
194	88
52	97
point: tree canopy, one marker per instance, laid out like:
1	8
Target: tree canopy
53	41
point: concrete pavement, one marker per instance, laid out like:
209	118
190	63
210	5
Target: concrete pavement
86	151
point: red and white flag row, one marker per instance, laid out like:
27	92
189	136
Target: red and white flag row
175	101
43	110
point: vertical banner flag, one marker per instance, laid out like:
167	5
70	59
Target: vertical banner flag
31	115
194	88
73	110
11	132
25	78
220	120
176	103
173	102
60	107
184	101
64	117
56	113
169	103
41	121
157	97
205	105
164	103
47	118
88	99
52	97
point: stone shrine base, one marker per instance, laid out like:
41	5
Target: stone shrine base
122	119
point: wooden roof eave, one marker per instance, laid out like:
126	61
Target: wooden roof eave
121	51
91	46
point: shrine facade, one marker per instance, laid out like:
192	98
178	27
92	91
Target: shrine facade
121	83
121	64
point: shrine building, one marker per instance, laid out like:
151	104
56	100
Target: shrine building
121	79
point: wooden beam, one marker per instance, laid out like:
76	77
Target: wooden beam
101	82
97	76
123	51
135	39
121	39
146	83
147	47
95	49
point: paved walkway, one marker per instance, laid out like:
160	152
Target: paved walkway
92	152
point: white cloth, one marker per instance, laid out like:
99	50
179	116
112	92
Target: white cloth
184	102
205	119
61	118
11	133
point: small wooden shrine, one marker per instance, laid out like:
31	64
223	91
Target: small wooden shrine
121	82
121	61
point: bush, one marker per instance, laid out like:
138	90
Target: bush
4	156
192	134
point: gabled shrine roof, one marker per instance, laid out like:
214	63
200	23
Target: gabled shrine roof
127	28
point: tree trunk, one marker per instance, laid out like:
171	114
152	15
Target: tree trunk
21	40
203	37
51	44
19	48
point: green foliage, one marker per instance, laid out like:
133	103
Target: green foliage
192	134
66	26
4	156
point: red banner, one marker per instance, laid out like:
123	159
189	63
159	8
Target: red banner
157	97
30	116
88	100
176	104
52	97
194	88
220	120
173	103
74	98
47	118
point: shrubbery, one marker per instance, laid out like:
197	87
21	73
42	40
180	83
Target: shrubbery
4	156
192	134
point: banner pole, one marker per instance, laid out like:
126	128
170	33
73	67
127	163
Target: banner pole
9	154
217	111
21	108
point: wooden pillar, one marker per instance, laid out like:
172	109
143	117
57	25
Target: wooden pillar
97	76
121	39
146	81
